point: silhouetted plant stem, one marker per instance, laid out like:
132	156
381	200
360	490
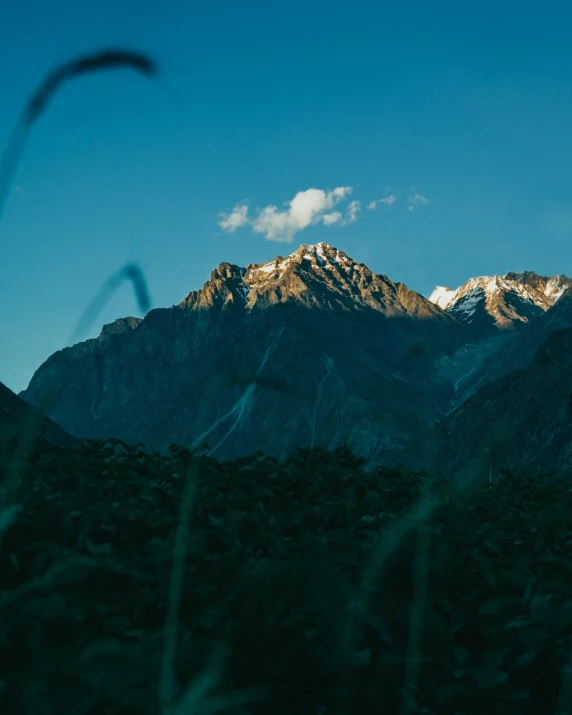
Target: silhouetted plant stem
417	619
98	61
9	161
167	687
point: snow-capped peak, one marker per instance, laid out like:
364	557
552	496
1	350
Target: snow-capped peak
318	276
552	287
556	286
321	255
505	299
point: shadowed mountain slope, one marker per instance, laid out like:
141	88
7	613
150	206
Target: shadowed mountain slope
309	349
523	418
18	420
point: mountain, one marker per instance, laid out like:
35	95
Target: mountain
553	287
314	348
510	316
309	349
519	348
497	301
17	418
523	418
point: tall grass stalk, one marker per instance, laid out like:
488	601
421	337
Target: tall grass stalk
421	569
391	539
130	272
31	430
388	543
167	685
103	60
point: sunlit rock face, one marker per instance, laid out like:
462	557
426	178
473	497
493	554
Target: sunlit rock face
501	301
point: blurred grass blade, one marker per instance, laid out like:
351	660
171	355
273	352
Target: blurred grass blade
9	161
33	425
133	273
94	308
167	684
104	60
417	618
130	272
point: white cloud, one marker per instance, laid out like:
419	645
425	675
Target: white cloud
354	210
336	217
307	208
388	200
331	219
339	193
236	219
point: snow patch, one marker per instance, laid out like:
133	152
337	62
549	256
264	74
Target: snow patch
268	268
442	296
556	286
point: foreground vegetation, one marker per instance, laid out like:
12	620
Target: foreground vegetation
282	599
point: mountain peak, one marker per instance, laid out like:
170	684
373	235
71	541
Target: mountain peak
321	254
442	296
314	275
502	301
121	325
551	286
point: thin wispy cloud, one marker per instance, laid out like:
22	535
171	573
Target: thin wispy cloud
387	201
307	208
354	210
417	200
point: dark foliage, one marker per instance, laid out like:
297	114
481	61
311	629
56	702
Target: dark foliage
275	555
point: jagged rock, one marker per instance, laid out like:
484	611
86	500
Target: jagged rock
505	302
121	325
312	349
353	349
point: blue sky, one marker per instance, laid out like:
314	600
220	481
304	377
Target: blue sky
468	105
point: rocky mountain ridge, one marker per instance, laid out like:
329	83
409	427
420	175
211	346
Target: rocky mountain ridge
317	276
502	301
309	349
354	348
